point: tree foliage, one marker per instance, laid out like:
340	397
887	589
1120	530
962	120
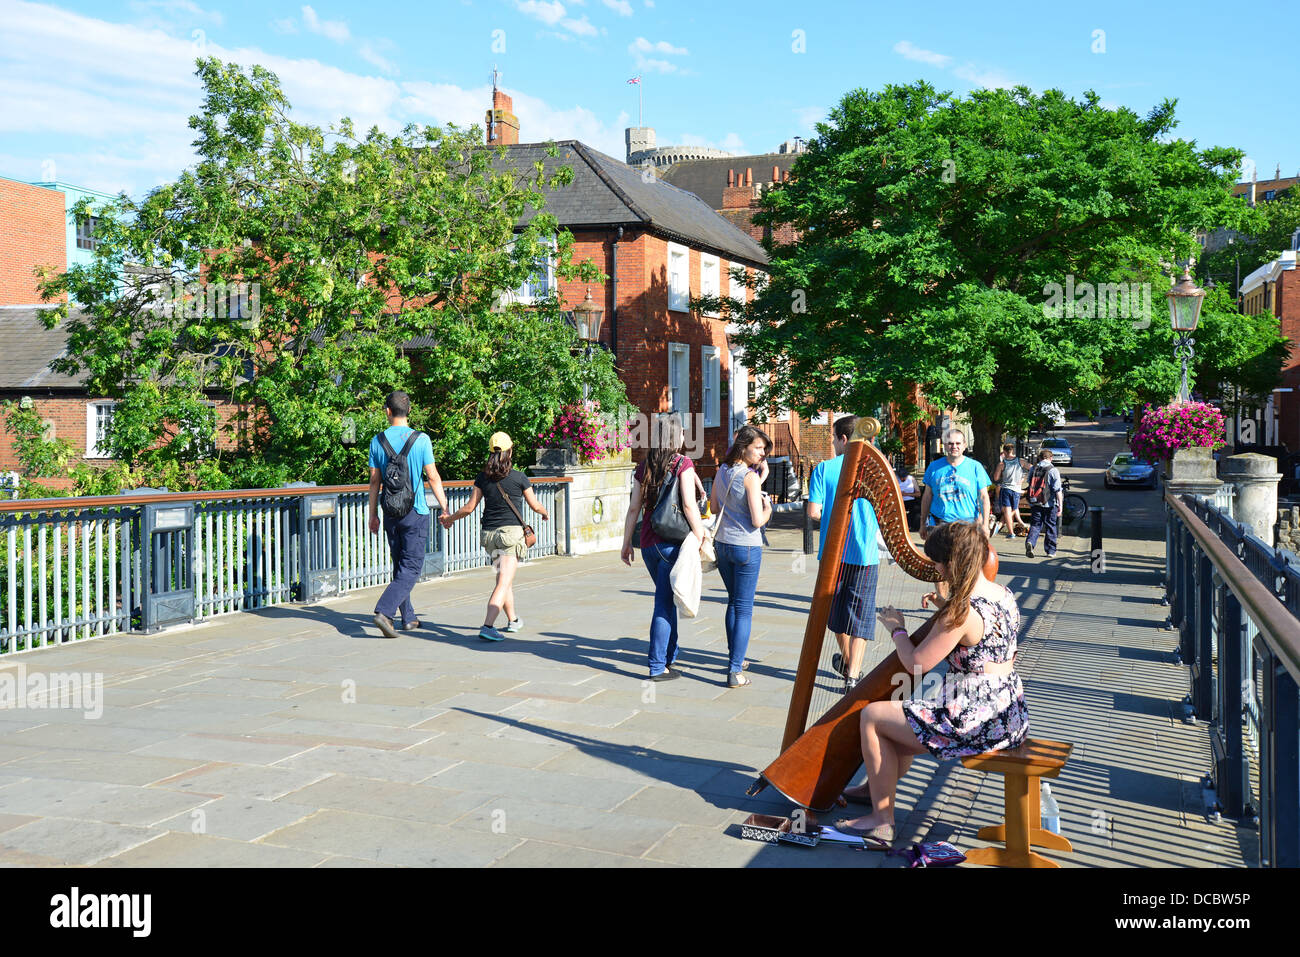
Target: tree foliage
370	262
932	229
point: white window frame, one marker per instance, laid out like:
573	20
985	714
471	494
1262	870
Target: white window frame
679	294
679	384
711	382
710	278
523	294
738	290
93	451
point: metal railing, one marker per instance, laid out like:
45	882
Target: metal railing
78	568
1236	604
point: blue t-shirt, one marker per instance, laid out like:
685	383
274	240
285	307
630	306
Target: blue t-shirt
955	490
421	454
860	547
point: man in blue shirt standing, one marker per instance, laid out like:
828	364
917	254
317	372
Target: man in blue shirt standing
956	488
853	609
409	535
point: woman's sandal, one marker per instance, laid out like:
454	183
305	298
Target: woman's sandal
738	680
879	838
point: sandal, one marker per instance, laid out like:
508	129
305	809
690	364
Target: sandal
738	680
880	838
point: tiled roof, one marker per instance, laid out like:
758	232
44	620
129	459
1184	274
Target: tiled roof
28	347
706	178
607	192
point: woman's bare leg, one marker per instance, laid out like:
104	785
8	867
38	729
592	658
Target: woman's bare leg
506	566
887	739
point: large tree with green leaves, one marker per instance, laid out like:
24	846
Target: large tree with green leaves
936	231
359	264
1265	231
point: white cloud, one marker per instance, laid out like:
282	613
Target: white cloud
550	12
111	110
621	7
286	25
372	56
642	45
989	79
809	116
582	28
650	4
336	30
177	12
906	50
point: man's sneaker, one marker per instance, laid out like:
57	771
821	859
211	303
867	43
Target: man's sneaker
516	625
851	682
413	626
490	634
1029	550
837	662
666	675
385	625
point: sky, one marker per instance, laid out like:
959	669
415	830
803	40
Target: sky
97	94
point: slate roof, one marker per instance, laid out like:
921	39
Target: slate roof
608	192
706	178
27	347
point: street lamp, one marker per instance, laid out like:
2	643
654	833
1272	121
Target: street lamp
1185	300
586	320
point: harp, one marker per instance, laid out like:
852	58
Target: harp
817	763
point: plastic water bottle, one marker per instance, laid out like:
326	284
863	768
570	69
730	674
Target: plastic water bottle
1051	812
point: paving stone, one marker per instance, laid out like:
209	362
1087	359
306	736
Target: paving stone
90	737
621	833
72	842
489	750
238	818
67	764
391	841
535	853
248	781
432	805
377	763
182	849
545	786
94	801
210	747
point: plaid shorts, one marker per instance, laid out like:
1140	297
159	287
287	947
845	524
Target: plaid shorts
853	609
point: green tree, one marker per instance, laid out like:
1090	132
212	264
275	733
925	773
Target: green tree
934	231
1264	232
302	274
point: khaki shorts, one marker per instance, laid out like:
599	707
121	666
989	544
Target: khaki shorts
507	538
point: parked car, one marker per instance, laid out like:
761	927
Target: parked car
1062	454
1126	469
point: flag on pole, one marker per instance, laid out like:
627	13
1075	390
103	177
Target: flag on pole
635	79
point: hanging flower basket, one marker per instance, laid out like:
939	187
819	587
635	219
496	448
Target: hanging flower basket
1163	431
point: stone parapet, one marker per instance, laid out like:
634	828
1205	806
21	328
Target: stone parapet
598	497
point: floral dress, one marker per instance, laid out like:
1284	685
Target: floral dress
976	712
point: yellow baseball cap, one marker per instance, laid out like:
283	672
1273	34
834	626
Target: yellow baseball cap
500	442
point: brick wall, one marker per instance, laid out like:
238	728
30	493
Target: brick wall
645	325
33	231
1286	306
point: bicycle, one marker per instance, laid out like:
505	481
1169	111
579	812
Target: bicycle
1076	506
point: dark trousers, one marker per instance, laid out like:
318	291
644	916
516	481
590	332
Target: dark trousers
407	539
1044	519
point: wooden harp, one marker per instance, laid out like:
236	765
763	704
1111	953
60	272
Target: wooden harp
816	764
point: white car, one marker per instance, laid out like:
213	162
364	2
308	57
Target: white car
1054	414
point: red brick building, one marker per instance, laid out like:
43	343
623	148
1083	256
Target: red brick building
33	232
1275	287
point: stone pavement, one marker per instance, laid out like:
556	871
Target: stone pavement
294	737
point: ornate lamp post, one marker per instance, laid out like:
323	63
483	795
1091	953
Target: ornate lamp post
1185	300
586	320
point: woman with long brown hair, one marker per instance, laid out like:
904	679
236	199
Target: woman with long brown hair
982	705
663	460
738	494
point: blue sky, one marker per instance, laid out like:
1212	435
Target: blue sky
97	93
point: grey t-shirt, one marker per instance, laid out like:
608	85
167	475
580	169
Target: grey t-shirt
737	524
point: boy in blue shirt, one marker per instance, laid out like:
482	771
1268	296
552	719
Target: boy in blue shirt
853	609
409	535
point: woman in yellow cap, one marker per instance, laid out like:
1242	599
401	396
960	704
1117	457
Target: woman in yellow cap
503	490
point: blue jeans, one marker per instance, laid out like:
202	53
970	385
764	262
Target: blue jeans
407	539
738	565
659	561
1044	519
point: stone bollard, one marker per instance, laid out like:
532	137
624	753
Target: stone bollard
1192	471
1255	477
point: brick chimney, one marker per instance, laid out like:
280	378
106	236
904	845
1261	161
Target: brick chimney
501	122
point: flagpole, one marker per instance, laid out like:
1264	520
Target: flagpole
640	103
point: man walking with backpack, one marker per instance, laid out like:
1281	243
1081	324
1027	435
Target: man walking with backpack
1046	497
400	461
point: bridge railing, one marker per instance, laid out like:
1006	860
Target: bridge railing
79	568
1236	603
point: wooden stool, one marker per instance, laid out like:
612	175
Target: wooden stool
1019	767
